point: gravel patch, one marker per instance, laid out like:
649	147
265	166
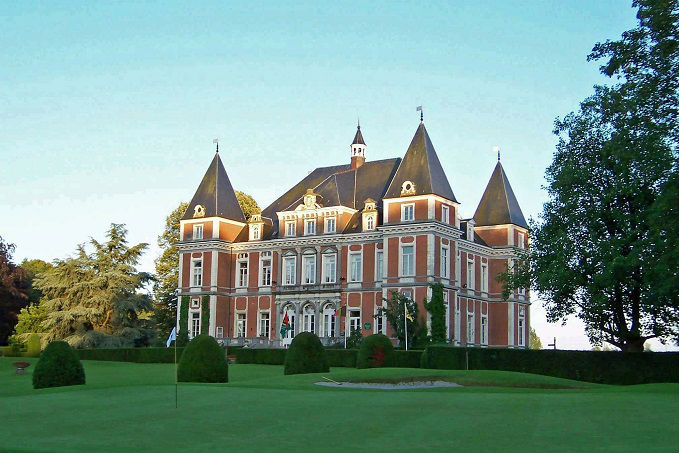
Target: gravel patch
387	386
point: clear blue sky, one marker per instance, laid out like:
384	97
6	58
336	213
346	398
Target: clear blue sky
108	109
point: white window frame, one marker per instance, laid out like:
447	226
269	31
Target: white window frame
289	279
308	269
195	324
198	231
407	208
237	320
458	321
197	272
445	214
195	303
309	319
329	276
484	277
521	331
220	332
242	279
522	243
329	320
354	321
370	222
328	221
446	302
262	320
484	330
290	228
471	277
309	227
407	272
379	265
350	264
264	276
445	261
471	328
255	232
458	268
380	324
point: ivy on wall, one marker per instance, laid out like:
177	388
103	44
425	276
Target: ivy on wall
183	335
205	315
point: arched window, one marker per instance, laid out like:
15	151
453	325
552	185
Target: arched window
328	326
309	318
371	223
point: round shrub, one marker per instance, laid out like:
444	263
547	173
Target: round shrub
58	366
203	360
376	351
306	355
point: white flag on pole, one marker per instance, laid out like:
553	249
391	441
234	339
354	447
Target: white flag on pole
173	336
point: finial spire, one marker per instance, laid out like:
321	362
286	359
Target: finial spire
497	148
216	142
419	109
359	122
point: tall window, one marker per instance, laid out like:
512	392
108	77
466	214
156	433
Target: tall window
521	241
458	269
354	320
379	265
445	268
241	324
290	228
329	268
291	318
195	324
310	226
255	232
446	303
470	274
308	269
458	320
371	223
445	214
355	267
198	231
197	273
265	273
289	268
484	277
484	330
309	319
522	326
242	279
264	323
330	225
328	321
470	328
407	260
407	212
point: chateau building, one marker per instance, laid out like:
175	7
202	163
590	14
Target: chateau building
347	236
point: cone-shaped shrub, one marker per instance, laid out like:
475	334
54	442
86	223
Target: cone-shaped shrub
306	355
58	366
376	351
203	360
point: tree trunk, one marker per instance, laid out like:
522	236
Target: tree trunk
633	345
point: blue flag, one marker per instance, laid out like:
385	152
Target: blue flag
173	336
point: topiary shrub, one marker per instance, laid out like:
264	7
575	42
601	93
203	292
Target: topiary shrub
33	345
58	366
376	351
203	360
306	354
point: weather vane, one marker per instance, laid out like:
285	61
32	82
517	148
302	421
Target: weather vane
497	150
419	109
216	142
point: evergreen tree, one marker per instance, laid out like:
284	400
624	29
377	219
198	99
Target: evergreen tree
94	299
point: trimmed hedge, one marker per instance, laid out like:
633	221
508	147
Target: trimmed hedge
203	360
58	366
342	357
406	359
376	351
592	366
305	355
261	356
138	355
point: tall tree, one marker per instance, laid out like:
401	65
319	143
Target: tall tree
167	272
395	312
33	268
247	204
94	299
12	291
437	310
605	248
535	342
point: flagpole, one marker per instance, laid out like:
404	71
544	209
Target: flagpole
405	321
176	336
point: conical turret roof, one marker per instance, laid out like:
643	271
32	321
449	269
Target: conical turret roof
421	166
498	205
216	195
358	138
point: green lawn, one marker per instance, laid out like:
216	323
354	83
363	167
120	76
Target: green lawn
131	407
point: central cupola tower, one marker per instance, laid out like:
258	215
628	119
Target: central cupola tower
358	149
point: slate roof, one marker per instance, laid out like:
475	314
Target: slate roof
358	138
498	205
339	185
421	166
216	194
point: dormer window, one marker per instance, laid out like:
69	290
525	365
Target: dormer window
330	225
198	232
470	232
445	214
522	243
290	228
255	232
407	212
370	225
309	227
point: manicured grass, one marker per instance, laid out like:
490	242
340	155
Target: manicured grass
130	407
